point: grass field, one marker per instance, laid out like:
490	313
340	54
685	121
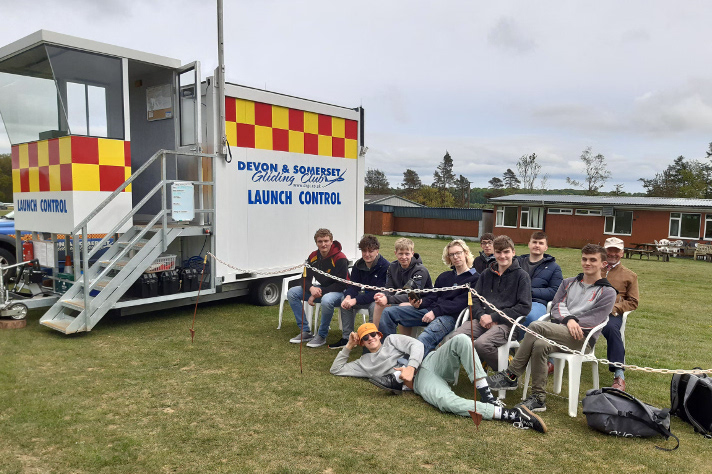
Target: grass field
135	395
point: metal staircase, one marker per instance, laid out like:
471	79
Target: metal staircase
98	287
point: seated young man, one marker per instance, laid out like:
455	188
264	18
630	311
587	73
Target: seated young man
508	288
486	256
436	311
545	275
407	267
327	258
581	303
386	367
370	269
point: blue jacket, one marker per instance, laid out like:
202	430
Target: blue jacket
375	276
546	279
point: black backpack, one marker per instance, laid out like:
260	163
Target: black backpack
691	401
618	413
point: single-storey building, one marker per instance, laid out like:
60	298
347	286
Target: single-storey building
470	224
389	200
575	220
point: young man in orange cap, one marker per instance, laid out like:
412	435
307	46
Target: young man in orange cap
386	367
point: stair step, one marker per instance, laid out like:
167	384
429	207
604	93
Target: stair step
140	244
59	324
101	284
74	303
119	264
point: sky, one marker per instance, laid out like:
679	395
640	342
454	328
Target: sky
486	81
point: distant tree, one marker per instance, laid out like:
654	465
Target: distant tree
618	190
682	178
434	197
510	179
528	170
5	177
377	182
543	182
596	172
709	151
463	191
443	177
496	183
411	182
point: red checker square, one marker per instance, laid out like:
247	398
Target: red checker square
230	115
15	153
85	150
280	139
65	176
351	127
53	150
24	180
245	135
311	144
127	153
110	177
296	120
44	178
338	147
324	125
263	114
32	154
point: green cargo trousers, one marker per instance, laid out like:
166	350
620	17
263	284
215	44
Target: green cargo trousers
440	367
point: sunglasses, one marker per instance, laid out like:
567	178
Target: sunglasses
368	336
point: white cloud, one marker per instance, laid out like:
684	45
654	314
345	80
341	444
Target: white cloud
510	35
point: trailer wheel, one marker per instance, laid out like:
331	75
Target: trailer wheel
266	292
22	311
6	258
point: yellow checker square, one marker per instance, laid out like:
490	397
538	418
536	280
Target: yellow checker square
324	145
111	152
263	137
65	150
85	177
244	111
127	175
24	156
34	180
231	133
350	148
311	123
55	178
280	117
43	153
296	141
16	181
338	127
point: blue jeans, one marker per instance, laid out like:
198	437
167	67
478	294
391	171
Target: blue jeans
408	316
328	302
538	310
615	351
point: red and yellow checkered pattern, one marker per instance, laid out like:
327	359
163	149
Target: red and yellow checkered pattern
71	164
251	124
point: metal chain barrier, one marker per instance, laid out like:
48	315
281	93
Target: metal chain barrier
588	357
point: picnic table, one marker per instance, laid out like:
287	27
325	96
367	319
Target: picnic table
646	249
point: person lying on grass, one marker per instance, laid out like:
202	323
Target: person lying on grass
386	366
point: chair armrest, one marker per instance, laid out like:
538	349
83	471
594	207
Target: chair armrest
463	316
593	331
514	326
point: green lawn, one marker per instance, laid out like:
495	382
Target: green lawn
135	395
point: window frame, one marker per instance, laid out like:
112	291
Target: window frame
564	211
708	226
589	212
502	211
613	227
679	225
529	214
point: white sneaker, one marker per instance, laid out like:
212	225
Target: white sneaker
302	337
317	341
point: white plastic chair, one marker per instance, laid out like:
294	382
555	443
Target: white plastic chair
283	296
503	353
625	318
575	361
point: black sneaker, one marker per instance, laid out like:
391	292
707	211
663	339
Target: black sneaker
529	421
534	402
501	381
388	382
340	344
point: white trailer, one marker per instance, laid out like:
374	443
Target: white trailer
137	152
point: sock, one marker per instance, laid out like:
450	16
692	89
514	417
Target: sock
484	391
396	374
510	415
619	373
510	375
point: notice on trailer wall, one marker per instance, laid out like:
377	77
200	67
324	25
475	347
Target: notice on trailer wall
159	102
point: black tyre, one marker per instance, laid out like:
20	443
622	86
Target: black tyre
7	258
266	292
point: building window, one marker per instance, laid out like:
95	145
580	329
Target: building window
708	227
507	216
588	212
555	210
685	226
532	218
620	223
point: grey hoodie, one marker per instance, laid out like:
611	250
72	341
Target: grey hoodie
397	277
381	362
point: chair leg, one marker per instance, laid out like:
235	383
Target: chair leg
574	383
502	363
527	374
559	374
281	310
594	375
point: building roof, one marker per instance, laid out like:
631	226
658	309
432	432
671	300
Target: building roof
389	200
623	201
